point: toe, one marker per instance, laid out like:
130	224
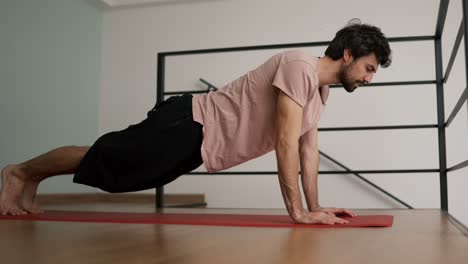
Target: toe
38	211
33	210
13	211
17	211
4	211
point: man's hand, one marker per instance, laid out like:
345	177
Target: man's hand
335	211
318	218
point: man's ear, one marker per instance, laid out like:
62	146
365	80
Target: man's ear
347	56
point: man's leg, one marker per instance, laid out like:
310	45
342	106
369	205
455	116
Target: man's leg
20	181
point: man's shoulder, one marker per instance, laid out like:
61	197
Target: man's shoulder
298	54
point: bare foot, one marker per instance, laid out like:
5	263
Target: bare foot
11	192
28	201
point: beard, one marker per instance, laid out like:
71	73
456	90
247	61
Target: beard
346	80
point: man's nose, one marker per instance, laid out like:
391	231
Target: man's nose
368	78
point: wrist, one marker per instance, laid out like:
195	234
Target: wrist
315	208
297	213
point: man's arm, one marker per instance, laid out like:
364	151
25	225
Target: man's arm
288	128
309	156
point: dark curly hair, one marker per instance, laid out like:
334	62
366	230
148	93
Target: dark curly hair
361	40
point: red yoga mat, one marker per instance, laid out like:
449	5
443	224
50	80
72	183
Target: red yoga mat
196	219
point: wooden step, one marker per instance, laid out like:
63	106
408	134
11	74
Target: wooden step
171	200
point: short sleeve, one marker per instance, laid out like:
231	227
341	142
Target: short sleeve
294	79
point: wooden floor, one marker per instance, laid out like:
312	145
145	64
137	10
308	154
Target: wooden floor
417	236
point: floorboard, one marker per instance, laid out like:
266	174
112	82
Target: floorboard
417	236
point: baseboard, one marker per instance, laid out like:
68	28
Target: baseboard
177	200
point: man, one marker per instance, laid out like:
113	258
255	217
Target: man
274	107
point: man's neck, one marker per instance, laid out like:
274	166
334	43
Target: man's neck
328	71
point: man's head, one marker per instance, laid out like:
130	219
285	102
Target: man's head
362	48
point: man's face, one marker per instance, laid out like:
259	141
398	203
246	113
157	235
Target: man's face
355	73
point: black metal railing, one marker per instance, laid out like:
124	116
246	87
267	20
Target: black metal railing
438	82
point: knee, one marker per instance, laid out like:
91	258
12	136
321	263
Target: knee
83	148
78	148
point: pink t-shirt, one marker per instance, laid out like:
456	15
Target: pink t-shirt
239	119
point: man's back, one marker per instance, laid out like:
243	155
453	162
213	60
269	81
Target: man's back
239	119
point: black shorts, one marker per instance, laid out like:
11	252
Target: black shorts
146	155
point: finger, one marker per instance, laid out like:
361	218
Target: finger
340	220
323	215
348	212
351	213
344	211
325	218
328	222
331	220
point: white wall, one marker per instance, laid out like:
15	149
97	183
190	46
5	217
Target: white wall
49	80
133	37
